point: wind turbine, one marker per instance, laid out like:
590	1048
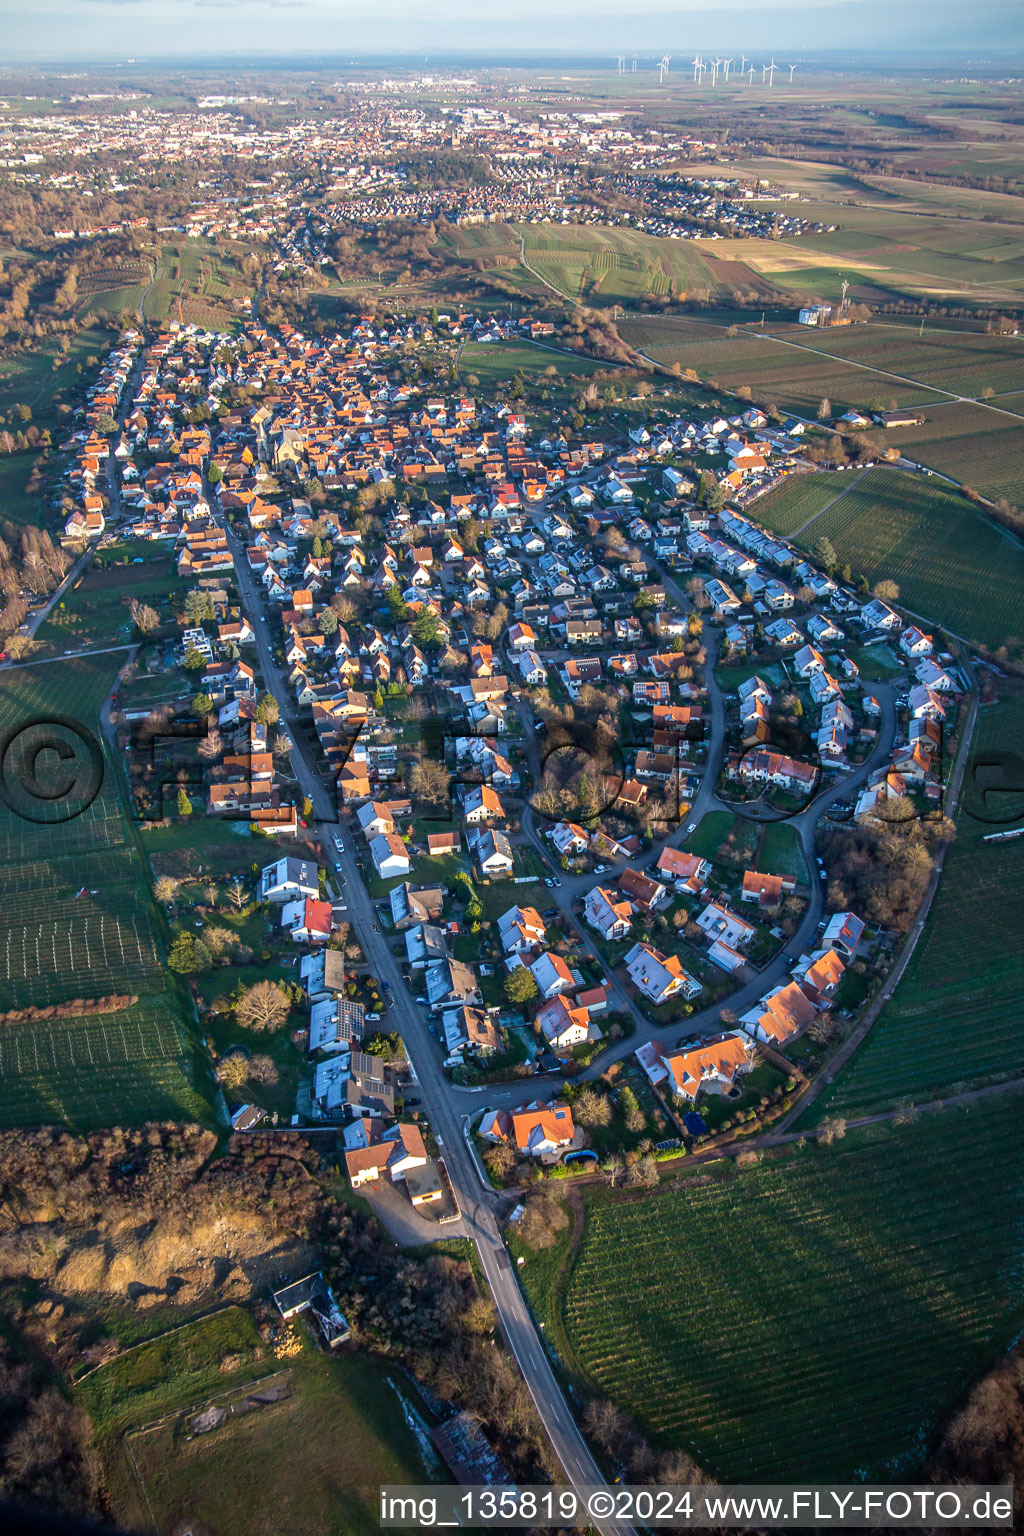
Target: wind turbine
750	75
743	63
621	63
714	71
726	63
764	73
697	61
771	74
792	67
663	67
634	66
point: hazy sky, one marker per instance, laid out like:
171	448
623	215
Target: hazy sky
120	29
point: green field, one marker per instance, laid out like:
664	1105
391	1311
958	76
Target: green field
794	378
955	1020
35	378
598	266
814	1317
95	610
789	505
865	366
953	565
16	504
974	444
310	1461
79	922
171	1371
962	363
494	362
193	280
780	852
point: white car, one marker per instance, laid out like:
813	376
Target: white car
339	845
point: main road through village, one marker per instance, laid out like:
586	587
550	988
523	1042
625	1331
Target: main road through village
475	1198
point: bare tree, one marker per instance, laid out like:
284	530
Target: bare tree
233	1070
264	1006
262	1070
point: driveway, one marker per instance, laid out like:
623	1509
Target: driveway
392	1208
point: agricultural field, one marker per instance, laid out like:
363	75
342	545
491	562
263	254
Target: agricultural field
960	363
955	1020
885	1279
38	378
193	281
79	922
894	236
309	1457
953	565
789	505
17	504
980	446
790	376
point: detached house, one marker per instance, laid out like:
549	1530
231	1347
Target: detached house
389	855
611	917
563	1024
659	976
709	1066
540	1130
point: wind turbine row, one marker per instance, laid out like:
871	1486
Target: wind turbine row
712	67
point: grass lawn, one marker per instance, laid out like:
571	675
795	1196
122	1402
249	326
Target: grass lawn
780	852
713	830
16	505
499	895
96	608
866	1254
723	837
173	1370
311	1463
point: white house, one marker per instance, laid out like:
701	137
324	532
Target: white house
612	919
308	922
289	879
389	855
569	838
492	851
562	1024
721	923
914	642
878	615
519	929
552	975
531	669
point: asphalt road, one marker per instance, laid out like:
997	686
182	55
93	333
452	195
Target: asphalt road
448	1122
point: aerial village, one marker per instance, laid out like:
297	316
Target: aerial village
449	598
